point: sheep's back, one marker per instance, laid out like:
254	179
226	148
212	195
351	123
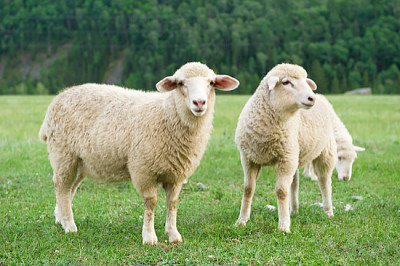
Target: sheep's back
93	123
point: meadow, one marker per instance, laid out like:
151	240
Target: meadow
109	216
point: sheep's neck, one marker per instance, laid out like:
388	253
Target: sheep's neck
340	131
277	114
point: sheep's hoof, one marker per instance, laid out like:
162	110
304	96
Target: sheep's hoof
284	230
70	228
150	243
284	227
174	237
241	222
329	214
150	240
328	211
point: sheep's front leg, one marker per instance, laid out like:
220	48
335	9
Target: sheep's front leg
148	233
147	187
172	192
284	179
251	172
294	195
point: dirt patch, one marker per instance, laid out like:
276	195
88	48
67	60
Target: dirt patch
44	61
115	70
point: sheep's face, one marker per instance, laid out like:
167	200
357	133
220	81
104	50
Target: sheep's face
345	163
196	83
293	92
289	87
196	92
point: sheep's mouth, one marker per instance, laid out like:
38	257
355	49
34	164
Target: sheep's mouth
307	105
198	112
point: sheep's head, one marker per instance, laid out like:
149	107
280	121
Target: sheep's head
345	162
196	82
290	86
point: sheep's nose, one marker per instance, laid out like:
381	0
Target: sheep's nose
311	99
199	103
346	178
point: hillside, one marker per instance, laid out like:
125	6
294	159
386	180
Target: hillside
343	44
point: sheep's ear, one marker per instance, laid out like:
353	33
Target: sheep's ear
357	149
226	83
166	84
312	84
272	81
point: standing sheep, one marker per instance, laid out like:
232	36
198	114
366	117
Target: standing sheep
346	151
110	134
276	129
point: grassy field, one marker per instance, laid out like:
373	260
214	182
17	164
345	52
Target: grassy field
109	217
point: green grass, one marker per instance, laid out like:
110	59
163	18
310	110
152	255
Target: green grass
109	217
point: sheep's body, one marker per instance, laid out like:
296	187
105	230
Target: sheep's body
266	145
91	121
112	134
272	131
346	151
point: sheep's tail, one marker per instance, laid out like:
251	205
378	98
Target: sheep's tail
43	131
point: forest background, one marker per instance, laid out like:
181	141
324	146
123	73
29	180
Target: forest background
48	45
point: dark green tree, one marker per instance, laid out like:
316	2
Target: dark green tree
318	75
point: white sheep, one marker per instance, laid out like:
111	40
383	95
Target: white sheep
346	151
276	128
109	134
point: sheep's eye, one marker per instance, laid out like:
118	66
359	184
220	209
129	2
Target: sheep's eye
180	83
286	82
340	158
211	82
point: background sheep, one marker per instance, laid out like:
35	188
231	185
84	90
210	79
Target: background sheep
275	129
346	151
110	134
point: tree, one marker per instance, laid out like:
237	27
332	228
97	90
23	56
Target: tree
354	79
338	42
366	82
335	85
318	75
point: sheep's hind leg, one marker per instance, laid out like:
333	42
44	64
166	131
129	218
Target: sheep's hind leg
78	180
294	195
251	172
309	172
325	185
63	179
172	191
323	167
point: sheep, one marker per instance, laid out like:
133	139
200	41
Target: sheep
346	151
282	125
109	134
